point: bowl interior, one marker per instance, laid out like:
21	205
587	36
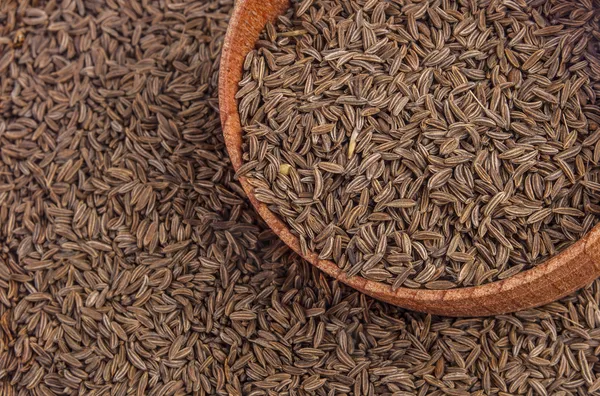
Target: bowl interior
558	276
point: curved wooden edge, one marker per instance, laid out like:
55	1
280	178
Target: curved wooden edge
559	276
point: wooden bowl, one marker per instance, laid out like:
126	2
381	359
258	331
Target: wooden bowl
559	276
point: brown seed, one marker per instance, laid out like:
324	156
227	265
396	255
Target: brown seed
220	305
471	112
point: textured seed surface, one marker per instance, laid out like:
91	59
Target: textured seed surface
435	121
130	263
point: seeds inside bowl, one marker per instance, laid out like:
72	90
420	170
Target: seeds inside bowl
434	144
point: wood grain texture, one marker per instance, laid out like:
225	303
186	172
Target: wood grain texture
557	277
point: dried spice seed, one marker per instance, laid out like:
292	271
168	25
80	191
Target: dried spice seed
440	120
221	306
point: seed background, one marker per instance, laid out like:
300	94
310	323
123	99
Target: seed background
131	264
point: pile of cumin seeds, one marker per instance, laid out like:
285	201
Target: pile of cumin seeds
428	144
227	310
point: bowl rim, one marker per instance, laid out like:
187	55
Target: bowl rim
531	288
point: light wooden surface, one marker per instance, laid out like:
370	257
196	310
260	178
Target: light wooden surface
561	275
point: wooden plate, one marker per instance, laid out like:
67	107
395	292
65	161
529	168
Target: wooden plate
559	276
